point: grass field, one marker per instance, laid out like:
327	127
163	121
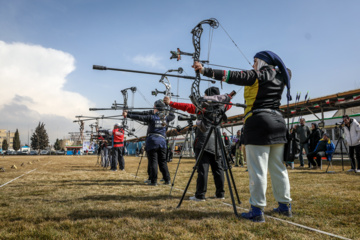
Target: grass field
69	197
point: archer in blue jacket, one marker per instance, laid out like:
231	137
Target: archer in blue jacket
155	144
324	148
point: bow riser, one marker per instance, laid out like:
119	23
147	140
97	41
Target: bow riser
197	32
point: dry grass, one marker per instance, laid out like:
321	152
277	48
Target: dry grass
68	197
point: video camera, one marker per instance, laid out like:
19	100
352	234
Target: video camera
339	125
190	118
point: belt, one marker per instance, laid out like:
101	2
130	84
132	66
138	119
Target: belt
116	143
157	134
263	110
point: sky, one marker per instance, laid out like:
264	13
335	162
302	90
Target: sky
48	48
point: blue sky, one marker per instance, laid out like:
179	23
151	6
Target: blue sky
57	42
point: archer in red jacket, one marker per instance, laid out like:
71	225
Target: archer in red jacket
118	136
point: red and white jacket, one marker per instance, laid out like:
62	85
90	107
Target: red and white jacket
118	135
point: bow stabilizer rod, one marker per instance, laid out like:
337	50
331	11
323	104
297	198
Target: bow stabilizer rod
98	67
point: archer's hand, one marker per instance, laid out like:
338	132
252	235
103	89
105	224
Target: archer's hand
124	113
197	66
166	100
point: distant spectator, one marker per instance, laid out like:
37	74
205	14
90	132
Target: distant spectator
239	155
324	148
314	137
227	145
294	147
352	139
303	132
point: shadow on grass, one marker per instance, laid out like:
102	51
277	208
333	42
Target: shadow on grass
172	214
311	172
324	172
108	182
87	169
125	198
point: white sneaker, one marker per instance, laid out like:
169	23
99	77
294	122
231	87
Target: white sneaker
193	198
221	198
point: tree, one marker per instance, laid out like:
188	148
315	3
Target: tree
16	143
57	144
40	138
5	145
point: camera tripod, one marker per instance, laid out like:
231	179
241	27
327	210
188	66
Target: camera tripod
225	161
190	133
342	143
141	157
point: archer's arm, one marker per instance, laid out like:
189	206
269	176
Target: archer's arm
186	107
149	112
142	118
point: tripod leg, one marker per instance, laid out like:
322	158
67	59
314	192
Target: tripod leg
196	164
181	154
231	175
328	167
227	166
223	157
234	185
139	164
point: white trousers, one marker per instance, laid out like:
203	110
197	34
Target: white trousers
260	159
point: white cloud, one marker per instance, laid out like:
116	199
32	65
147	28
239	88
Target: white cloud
35	76
32	79
148	61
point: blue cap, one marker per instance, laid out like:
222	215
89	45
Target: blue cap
273	59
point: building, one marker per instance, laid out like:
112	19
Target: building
9	136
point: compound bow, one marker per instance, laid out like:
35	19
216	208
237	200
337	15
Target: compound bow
196	32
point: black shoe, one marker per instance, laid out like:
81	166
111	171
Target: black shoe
167	183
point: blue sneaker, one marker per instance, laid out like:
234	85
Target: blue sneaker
284	209
255	214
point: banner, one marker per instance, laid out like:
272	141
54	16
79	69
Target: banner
88	146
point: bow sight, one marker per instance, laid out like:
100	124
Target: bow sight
156	92
167	84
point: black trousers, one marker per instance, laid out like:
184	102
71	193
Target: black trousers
148	166
203	170
351	155
318	156
118	158
158	157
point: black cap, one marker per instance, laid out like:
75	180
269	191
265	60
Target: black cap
211	91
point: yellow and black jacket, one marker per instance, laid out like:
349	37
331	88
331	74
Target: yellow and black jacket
262	94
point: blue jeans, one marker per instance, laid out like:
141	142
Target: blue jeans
306	147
